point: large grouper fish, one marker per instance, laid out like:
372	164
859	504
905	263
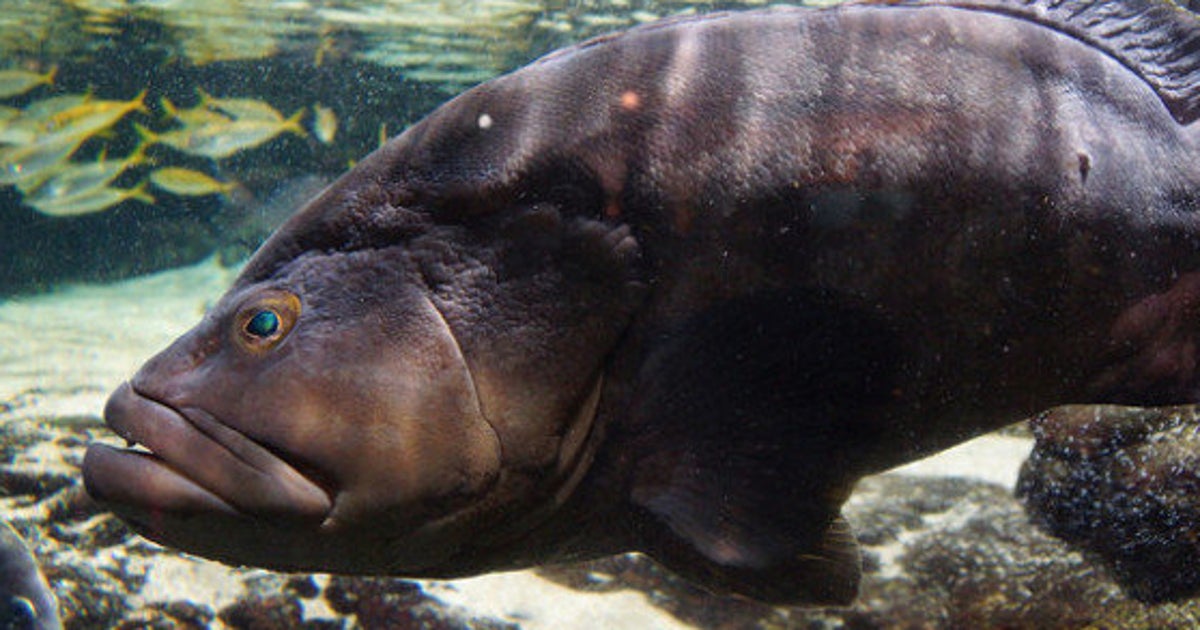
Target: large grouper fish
675	289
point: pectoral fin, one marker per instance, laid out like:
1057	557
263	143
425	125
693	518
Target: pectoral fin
751	531
748	419
760	564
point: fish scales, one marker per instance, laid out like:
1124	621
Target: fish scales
676	289
795	100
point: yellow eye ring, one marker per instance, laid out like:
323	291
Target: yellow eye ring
265	321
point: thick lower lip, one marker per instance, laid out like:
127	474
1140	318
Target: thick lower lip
195	465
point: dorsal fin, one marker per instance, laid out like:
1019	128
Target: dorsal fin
1156	39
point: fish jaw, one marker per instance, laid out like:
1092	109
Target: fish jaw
294	480
194	468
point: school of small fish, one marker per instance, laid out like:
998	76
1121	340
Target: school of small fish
50	147
39	141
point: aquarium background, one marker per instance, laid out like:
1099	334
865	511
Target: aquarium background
376	67
86	296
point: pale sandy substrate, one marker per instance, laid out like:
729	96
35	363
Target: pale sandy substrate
60	355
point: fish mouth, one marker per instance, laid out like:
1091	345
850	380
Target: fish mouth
190	464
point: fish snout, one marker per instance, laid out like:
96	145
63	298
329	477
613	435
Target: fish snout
187	462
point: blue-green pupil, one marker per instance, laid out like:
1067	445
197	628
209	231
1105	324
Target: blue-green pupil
263	324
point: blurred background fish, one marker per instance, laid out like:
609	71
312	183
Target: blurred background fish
26	601
16	82
90	200
239	108
325	123
189	183
222	138
53	134
76	180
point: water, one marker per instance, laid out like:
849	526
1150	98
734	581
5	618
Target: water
377	66
85	299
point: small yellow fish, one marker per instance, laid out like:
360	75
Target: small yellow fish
240	108
46	108
27	166
41	151
73	179
221	140
32	122
188	183
92	200
92	116
326	46
14	131
194	117
18	82
325	123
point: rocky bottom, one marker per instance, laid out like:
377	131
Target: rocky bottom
939	552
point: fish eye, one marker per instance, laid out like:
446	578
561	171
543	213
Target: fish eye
263	322
20	614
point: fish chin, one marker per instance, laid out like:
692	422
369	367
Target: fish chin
137	483
165	506
193	468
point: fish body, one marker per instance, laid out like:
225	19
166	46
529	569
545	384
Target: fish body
48	108
74	179
28	124
88	118
17	82
196	116
241	108
218	140
675	290
187	182
29	166
16	134
26	601
325	123
89	200
53	139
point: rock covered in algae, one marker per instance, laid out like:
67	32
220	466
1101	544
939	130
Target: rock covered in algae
1123	484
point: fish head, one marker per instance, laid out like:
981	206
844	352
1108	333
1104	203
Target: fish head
282	417
385	390
26	599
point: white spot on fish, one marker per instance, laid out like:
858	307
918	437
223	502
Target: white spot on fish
485	121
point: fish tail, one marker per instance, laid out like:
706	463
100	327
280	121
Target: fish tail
138	156
235	192
148	137
138	193
206	99
292	124
138	102
171	110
